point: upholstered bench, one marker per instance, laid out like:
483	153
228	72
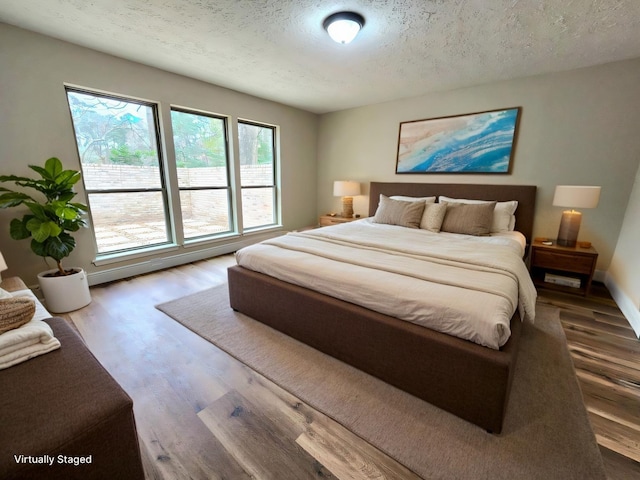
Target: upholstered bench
62	416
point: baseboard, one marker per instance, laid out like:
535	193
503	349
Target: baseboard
629	308
155	264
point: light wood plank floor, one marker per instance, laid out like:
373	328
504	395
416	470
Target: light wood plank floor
606	356
202	414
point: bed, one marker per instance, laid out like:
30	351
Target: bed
469	380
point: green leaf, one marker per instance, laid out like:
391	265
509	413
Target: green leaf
13	199
56	247
54	167
41	231
18	229
80	206
65	178
43	173
39	249
14	178
37	210
66	213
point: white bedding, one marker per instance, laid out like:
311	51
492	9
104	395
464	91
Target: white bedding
468	287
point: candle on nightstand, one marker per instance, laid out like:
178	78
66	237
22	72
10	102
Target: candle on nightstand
569	228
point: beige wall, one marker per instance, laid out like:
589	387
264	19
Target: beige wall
35	125
624	272
578	127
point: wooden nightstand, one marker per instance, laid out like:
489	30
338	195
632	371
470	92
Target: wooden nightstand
564	265
326	220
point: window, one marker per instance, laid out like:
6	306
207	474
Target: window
200	143
257	174
118	145
131	201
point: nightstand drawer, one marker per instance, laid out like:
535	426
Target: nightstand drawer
560	261
326	221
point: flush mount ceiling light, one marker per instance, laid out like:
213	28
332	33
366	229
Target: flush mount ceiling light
343	27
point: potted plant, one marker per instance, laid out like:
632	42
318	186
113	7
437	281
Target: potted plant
49	223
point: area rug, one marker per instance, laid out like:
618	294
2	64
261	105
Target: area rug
546	432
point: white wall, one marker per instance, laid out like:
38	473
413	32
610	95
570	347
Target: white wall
578	127
623	277
35	124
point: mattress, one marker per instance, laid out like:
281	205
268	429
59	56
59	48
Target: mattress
465	286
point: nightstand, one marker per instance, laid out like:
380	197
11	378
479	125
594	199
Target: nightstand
568	269
326	220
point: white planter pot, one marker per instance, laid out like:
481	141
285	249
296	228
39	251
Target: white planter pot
65	294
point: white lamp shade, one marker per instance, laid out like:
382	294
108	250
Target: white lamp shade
576	196
3	264
343	31
343	27
345	188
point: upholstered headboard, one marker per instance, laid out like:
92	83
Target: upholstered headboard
524	194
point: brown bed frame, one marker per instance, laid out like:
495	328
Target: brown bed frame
466	379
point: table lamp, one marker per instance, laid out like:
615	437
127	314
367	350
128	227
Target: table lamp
3	265
347	190
573	196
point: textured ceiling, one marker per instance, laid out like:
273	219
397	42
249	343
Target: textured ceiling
277	49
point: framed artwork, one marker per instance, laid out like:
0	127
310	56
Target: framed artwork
480	142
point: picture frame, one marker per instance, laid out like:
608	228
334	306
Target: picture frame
481	142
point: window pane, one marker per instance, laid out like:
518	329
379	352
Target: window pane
128	220
201	150
257	207
256	155
204	212
112	133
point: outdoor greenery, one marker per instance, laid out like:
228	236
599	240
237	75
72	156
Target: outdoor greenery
112	131
199	140
48	222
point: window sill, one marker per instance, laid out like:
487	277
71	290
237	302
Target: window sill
111	258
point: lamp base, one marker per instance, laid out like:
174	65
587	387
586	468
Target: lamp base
347	207
569	228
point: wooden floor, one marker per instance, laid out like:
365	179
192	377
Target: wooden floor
606	356
202	414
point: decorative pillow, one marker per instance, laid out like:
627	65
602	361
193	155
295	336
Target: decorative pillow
398	212
504	219
15	312
469	219
413	199
433	216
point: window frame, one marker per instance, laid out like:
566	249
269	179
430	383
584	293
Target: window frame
229	187
162	164
275	219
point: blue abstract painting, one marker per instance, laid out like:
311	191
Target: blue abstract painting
472	143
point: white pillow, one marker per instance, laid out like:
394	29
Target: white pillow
5	294
414	199
504	219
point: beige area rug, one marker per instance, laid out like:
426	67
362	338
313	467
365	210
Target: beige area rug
546	434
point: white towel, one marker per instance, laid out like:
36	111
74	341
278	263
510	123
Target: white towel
30	340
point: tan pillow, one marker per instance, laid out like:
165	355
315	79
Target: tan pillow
469	219
433	216
504	219
398	212
15	312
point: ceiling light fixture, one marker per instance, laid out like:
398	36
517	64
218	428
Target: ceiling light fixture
343	27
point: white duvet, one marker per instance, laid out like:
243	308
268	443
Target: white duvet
468	287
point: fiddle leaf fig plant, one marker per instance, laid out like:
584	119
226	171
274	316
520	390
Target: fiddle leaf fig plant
50	220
